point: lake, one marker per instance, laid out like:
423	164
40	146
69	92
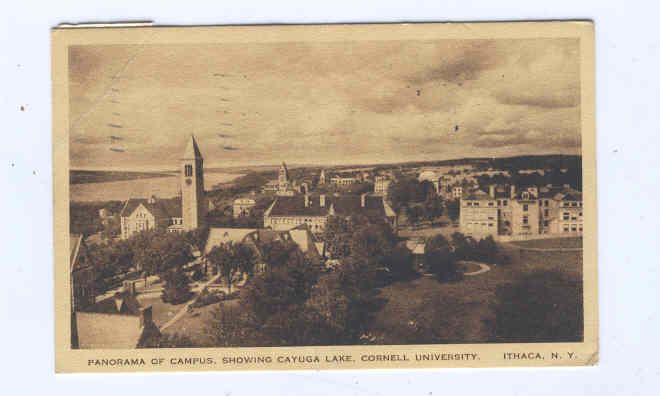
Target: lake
162	187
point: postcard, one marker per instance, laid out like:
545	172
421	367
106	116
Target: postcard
324	196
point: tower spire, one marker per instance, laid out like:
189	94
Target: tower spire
192	149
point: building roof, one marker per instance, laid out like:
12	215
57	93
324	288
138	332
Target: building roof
116	322
192	149
159	208
343	205
106	331
219	236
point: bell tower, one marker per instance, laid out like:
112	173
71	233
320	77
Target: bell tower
193	206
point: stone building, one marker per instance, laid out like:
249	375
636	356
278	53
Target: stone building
185	213
381	185
242	207
193	201
289	212
524	213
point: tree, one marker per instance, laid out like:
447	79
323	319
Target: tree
544	306
337	236
414	214
464	246
405	191
433	207
439	258
400	263
230	259
276	253
453	210
177	287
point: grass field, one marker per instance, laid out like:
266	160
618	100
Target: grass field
554	243
460	311
161	311
194	324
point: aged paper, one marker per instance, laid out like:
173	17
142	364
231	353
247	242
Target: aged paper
324	197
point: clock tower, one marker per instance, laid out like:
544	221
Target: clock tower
193	202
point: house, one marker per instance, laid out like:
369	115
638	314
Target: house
286	213
117	322
150	214
242	207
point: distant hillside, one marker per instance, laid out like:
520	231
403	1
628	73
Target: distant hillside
94	176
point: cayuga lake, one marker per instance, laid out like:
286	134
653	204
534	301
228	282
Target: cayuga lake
162	187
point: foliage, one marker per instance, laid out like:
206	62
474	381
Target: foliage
400	263
543	306
230	259
337	237
407	190
176	289
157	252
453	210
440	259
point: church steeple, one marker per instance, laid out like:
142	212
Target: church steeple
193	202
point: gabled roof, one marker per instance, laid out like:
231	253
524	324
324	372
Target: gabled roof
192	149
218	236
343	205
160	208
106	331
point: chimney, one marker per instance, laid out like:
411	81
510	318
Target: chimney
146	316
363	200
491	191
513	191
129	287
322	200
152	199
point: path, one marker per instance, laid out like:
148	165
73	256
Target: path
184	309
482	268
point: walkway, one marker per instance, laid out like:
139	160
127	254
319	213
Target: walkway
184	309
482	268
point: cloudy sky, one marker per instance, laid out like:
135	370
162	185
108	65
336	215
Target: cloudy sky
132	107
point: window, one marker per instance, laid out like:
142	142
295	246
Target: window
580	214
546	223
491	203
573	228
525	220
574	204
566	216
525	207
188	170
546	213
476	204
546	203
505	202
565	228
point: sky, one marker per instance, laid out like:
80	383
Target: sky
134	106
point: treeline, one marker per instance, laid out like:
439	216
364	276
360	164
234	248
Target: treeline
84	218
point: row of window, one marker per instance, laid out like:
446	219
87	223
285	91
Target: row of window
572	228
570	216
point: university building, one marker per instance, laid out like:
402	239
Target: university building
525	213
286	213
185	213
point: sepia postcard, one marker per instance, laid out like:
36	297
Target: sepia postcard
296	197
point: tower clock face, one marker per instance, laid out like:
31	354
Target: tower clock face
188	181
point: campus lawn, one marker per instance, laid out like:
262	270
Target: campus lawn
194	324
161	311
553	243
461	311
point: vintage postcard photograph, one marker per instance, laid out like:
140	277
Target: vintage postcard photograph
324	197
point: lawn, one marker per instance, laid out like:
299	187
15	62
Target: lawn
553	243
161	311
460	311
194	323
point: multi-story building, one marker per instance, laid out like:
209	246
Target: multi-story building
174	215
431	177
286	213
525	213
343	180
381	185
242	207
